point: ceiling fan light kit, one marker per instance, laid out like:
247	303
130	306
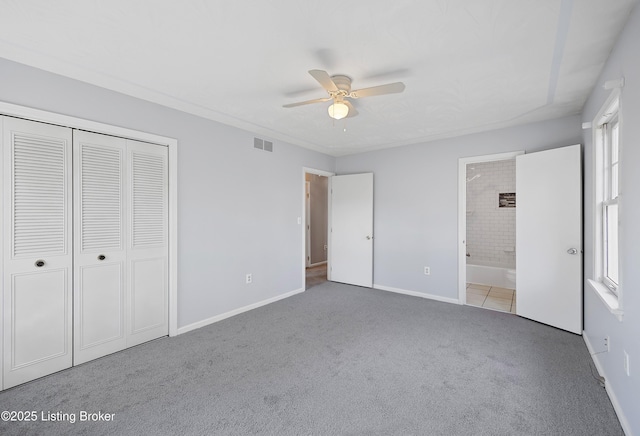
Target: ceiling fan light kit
339	87
338	110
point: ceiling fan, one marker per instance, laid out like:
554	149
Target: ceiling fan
339	89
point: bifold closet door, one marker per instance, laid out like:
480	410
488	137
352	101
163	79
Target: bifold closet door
121	260
100	251
147	242
37	251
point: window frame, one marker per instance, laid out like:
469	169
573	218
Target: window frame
604	196
610	175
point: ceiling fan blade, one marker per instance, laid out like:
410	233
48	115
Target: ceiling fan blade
352	110
323	79
390	88
302	103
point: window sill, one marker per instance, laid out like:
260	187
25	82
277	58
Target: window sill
609	299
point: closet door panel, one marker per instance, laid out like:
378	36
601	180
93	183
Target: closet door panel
37	303
148	295
37	334
100	254
102	316
147	253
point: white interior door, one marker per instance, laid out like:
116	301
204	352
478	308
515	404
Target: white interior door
549	237
121	260
37	301
147	246
100	255
351	237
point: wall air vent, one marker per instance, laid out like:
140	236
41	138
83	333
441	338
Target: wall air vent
263	144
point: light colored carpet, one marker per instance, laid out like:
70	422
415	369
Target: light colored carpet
336	359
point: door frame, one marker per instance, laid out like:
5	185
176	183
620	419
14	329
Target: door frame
172	145
307	221
303	220
462	213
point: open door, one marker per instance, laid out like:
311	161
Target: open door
549	237
351	235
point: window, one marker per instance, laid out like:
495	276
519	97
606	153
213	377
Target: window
610	131
606	207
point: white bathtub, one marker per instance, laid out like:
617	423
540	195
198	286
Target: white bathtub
486	273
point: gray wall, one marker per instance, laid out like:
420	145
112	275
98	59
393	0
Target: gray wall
416	200
598	321
238	206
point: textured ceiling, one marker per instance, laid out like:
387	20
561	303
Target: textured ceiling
468	65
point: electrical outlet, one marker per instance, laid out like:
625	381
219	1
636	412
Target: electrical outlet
606	343
626	363
249	278
427	271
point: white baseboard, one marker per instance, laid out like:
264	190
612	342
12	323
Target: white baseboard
608	388
214	319
416	294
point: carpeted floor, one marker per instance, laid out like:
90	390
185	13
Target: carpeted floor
335	360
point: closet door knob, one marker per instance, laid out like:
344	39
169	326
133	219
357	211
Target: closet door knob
39	263
102	257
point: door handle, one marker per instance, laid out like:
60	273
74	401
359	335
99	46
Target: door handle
39	263
102	257
572	251
368	237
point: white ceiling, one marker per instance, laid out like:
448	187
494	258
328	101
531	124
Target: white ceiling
468	65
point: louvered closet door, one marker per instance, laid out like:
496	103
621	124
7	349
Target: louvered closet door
147	254
37	303
100	253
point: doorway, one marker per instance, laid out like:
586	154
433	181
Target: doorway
491	234
316	217
487	267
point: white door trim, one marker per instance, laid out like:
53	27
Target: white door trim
307	221
462	214
303	219
172	144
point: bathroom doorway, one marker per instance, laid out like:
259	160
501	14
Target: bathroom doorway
487	232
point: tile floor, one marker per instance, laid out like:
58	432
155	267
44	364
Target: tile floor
491	297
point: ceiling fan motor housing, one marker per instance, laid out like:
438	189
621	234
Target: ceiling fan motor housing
343	83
